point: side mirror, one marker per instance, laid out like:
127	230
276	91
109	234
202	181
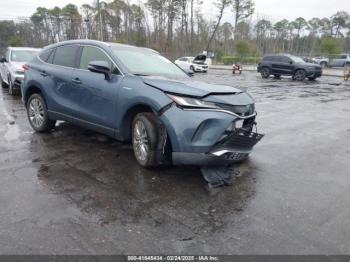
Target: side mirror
3	60
291	62
101	67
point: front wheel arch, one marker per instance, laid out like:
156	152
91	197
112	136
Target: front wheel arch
30	91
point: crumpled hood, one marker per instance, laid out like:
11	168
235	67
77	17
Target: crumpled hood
188	87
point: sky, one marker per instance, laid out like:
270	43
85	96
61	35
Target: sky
272	9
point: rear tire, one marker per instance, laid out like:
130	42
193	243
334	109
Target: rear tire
324	64
299	75
148	140
265	72
38	115
192	68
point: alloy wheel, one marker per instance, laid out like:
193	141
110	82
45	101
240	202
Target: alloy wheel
36	112
265	72
141	141
299	75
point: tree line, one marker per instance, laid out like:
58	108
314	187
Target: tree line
179	27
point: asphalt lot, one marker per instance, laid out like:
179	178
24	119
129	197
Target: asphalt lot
77	192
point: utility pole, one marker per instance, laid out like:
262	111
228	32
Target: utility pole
100	20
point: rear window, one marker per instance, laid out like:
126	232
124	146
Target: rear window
66	56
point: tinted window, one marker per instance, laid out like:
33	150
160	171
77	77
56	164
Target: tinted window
284	59
343	57
183	59
268	58
90	54
66	56
45	55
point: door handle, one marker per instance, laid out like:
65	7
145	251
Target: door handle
43	73
76	81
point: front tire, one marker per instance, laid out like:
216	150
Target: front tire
265	72
192	69
38	115
324	64
148	140
299	75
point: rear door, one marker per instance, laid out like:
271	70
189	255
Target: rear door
63	97
97	96
337	61
276	64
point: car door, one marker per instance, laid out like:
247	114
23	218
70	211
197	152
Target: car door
276	64
336	61
62	97
97	96
287	66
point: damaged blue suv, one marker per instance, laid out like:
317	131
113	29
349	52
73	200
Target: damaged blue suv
135	94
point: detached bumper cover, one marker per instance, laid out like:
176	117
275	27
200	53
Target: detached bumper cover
236	147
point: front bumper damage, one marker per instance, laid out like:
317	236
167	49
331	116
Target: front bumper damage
209	138
234	148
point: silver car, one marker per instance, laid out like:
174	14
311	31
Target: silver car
11	67
337	61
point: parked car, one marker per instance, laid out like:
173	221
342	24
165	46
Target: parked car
288	65
11	67
342	60
132	93
195	64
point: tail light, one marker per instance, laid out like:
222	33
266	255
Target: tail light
25	67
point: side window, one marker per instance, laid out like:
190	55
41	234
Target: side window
90	54
268	58
343	57
45	55
285	59
66	56
184	59
51	56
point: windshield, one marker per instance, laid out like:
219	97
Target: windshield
297	59
23	55
146	62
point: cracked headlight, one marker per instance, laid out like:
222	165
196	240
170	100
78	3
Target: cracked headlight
184	101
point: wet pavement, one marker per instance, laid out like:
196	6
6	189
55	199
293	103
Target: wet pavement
76	192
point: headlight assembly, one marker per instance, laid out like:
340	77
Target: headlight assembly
184	101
